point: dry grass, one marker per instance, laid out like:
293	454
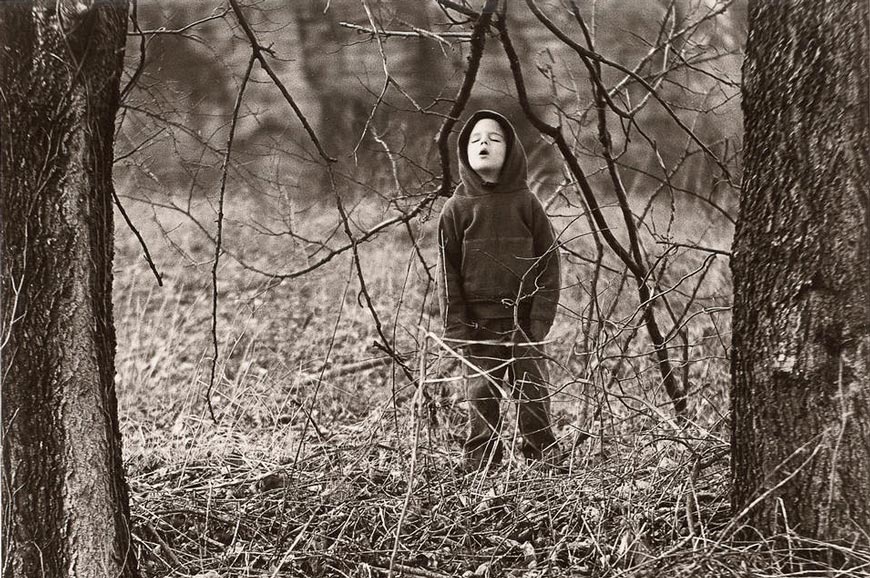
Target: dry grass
312	471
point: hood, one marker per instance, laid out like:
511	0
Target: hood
514	172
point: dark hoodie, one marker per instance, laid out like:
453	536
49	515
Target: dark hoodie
499	257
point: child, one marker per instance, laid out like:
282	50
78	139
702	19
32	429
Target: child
499	286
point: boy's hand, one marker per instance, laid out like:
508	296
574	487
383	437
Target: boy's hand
457	331
538	329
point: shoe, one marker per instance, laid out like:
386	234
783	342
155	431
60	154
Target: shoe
552	459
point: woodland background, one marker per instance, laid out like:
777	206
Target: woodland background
313	445
286	404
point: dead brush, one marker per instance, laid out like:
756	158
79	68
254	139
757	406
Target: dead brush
338	511
328	461
372	498
343	508
387	496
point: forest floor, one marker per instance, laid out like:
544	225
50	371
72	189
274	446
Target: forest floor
327	459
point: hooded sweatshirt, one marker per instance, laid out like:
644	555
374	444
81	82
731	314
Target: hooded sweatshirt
499	256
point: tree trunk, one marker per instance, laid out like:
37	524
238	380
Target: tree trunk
801	342
65	504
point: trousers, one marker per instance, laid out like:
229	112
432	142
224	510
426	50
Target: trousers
506	362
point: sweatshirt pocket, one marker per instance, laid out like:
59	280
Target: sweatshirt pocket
494	269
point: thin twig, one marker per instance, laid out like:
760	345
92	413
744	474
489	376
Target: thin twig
142	243
415	435
385	344
219	236
387	79
185	28
140	66
416	33
346	369
329	350
696	247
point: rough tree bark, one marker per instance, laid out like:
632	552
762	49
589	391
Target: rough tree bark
65	501
801	342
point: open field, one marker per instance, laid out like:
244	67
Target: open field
328	460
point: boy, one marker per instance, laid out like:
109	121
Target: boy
499	286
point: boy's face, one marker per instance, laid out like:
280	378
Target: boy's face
487	147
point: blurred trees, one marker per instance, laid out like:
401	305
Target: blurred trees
801	355
65	504
326	52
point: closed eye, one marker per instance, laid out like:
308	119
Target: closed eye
494	137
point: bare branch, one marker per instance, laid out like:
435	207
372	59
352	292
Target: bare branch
478	40
216	16
387	78
574	166
140	66
258	54
696	248
461	8
385	343
675	391
415	33
219	235
139	238
592	55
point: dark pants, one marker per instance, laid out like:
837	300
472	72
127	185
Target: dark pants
524	378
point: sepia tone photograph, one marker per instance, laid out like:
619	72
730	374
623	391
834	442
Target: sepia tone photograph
435	288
